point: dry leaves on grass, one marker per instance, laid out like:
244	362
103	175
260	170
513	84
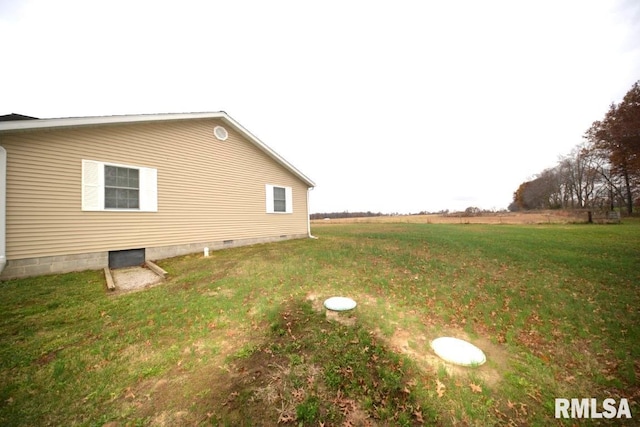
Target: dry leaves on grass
298	394
418	414
440	387
475	388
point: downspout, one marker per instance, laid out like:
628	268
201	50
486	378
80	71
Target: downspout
309	216
3	207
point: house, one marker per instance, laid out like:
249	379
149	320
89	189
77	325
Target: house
91	192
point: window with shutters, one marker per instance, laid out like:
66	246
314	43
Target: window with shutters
107	186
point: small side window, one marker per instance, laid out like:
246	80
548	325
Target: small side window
279	199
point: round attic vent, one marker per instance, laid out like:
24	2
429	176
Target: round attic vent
220	133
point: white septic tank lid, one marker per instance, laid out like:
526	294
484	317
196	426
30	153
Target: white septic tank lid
458	351
339	304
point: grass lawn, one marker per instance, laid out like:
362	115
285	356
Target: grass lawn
240	337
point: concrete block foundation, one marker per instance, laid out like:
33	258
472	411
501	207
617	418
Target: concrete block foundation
27	267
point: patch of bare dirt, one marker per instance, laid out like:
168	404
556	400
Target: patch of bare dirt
184	396
261	386
417	346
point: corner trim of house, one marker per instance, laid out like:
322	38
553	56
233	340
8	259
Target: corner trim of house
3	208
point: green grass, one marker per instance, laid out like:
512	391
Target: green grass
239	337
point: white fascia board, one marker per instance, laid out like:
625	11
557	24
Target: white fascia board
101	120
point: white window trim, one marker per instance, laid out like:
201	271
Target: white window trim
288	199
93	187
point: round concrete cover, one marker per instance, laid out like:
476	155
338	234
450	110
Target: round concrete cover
339	304
458	351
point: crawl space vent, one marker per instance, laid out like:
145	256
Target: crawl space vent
220	133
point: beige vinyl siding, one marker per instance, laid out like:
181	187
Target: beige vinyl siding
208	190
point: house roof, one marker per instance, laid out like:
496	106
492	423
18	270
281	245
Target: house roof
14	116
50	124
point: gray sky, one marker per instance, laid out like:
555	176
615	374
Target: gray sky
388	106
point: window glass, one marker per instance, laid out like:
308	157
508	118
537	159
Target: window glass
279	199
121	188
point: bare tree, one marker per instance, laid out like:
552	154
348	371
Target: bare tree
618	135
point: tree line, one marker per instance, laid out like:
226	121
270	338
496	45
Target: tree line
602	172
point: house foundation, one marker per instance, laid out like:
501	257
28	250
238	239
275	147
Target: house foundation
98	260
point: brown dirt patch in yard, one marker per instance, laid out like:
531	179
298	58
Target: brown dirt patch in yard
417	346
186	395
246	382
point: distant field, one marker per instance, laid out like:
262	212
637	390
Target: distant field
537	217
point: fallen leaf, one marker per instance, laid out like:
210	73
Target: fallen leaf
286	418
298	394
523	408
475	388
440	387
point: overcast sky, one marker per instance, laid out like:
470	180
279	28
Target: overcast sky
399	106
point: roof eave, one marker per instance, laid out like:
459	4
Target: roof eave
51	124
42	124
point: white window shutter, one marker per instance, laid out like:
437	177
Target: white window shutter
92	186
148	190
289	200
269	194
